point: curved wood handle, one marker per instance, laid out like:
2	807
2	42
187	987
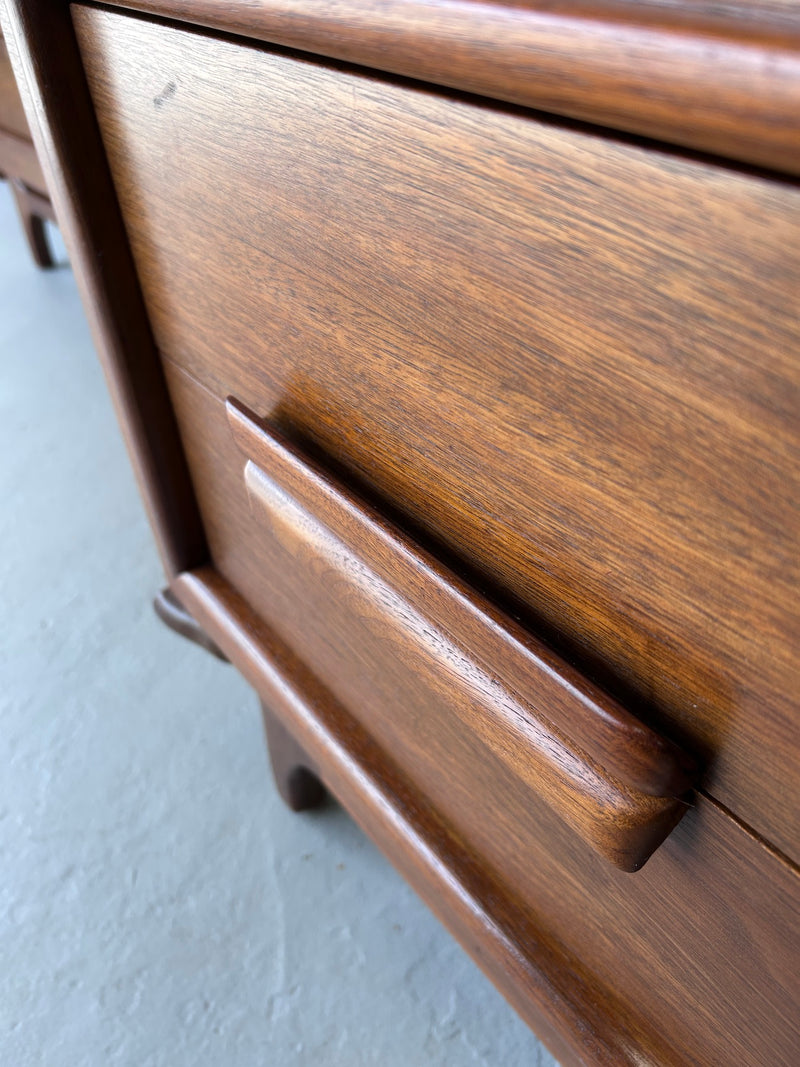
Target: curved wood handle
611	777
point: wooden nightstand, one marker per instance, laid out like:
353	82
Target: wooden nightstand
457	350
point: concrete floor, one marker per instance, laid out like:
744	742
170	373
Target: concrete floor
159	905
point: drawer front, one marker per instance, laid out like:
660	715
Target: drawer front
569	362
438	649
712	910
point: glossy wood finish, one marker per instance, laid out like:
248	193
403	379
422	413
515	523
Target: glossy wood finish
722	78
643	947
566	361
42	49
613	780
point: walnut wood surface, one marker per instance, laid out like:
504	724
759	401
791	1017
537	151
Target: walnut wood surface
610	778
41	45
571	362
723	78
671	971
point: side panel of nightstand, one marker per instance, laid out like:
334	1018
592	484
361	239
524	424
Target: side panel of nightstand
49	72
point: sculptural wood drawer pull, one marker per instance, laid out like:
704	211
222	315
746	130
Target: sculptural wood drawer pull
609	776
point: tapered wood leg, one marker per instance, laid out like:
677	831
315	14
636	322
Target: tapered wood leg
33	210
295	774
173	614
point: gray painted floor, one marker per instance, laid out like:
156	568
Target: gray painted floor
158	904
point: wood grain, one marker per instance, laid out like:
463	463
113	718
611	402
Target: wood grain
47	66
647	945
652	940
719	78
612	780
569	363
567	366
